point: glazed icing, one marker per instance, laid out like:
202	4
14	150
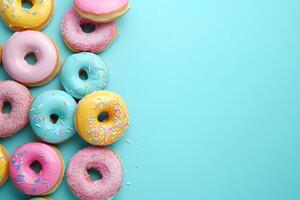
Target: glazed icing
53	102
20	100
3	164
17	17
28	181
105	132
106	162
22	43
80	41
95	68
100	6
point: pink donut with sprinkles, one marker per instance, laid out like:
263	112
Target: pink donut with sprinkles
79	41
103	160
20	100
29	181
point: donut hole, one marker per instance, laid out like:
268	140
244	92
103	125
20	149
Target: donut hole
54	118
36	167
88	27
83	75
31	58
6	108
103	116
27	4
94	174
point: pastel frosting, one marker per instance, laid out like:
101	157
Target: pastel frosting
79	41
106	162
20	100
22	43
27	180
100	6
19	18
47	104
92	65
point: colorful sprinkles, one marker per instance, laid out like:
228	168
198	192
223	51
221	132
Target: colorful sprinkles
21	178
60	104
99	133
107	131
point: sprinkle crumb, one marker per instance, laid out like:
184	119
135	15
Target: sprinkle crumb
128	183
128	141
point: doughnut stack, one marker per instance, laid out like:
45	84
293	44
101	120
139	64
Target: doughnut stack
99	116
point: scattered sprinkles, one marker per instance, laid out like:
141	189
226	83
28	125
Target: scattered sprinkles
128	141
14	11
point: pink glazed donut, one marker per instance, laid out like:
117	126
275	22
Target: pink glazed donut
26	179
19	45
106	162
20	100
101	10
79	41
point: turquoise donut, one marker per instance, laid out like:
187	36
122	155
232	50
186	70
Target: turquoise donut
51	116
84	73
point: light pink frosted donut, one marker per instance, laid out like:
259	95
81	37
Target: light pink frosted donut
100	6
79	41
106	162
101	10
26	179
22	43
20	100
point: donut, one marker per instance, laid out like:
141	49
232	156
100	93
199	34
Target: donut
21	44
103	160
19	18
101	10
52	116
101	118
78	41
20	100
29	181
3	165
90	65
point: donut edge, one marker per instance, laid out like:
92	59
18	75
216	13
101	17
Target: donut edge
6	157
105	17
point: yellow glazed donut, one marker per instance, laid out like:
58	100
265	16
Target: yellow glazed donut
101	118
19	18
3	165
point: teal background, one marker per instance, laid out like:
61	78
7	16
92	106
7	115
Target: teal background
213	92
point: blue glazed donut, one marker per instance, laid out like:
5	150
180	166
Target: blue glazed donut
51	116
88	64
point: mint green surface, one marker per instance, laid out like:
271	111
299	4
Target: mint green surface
213	91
